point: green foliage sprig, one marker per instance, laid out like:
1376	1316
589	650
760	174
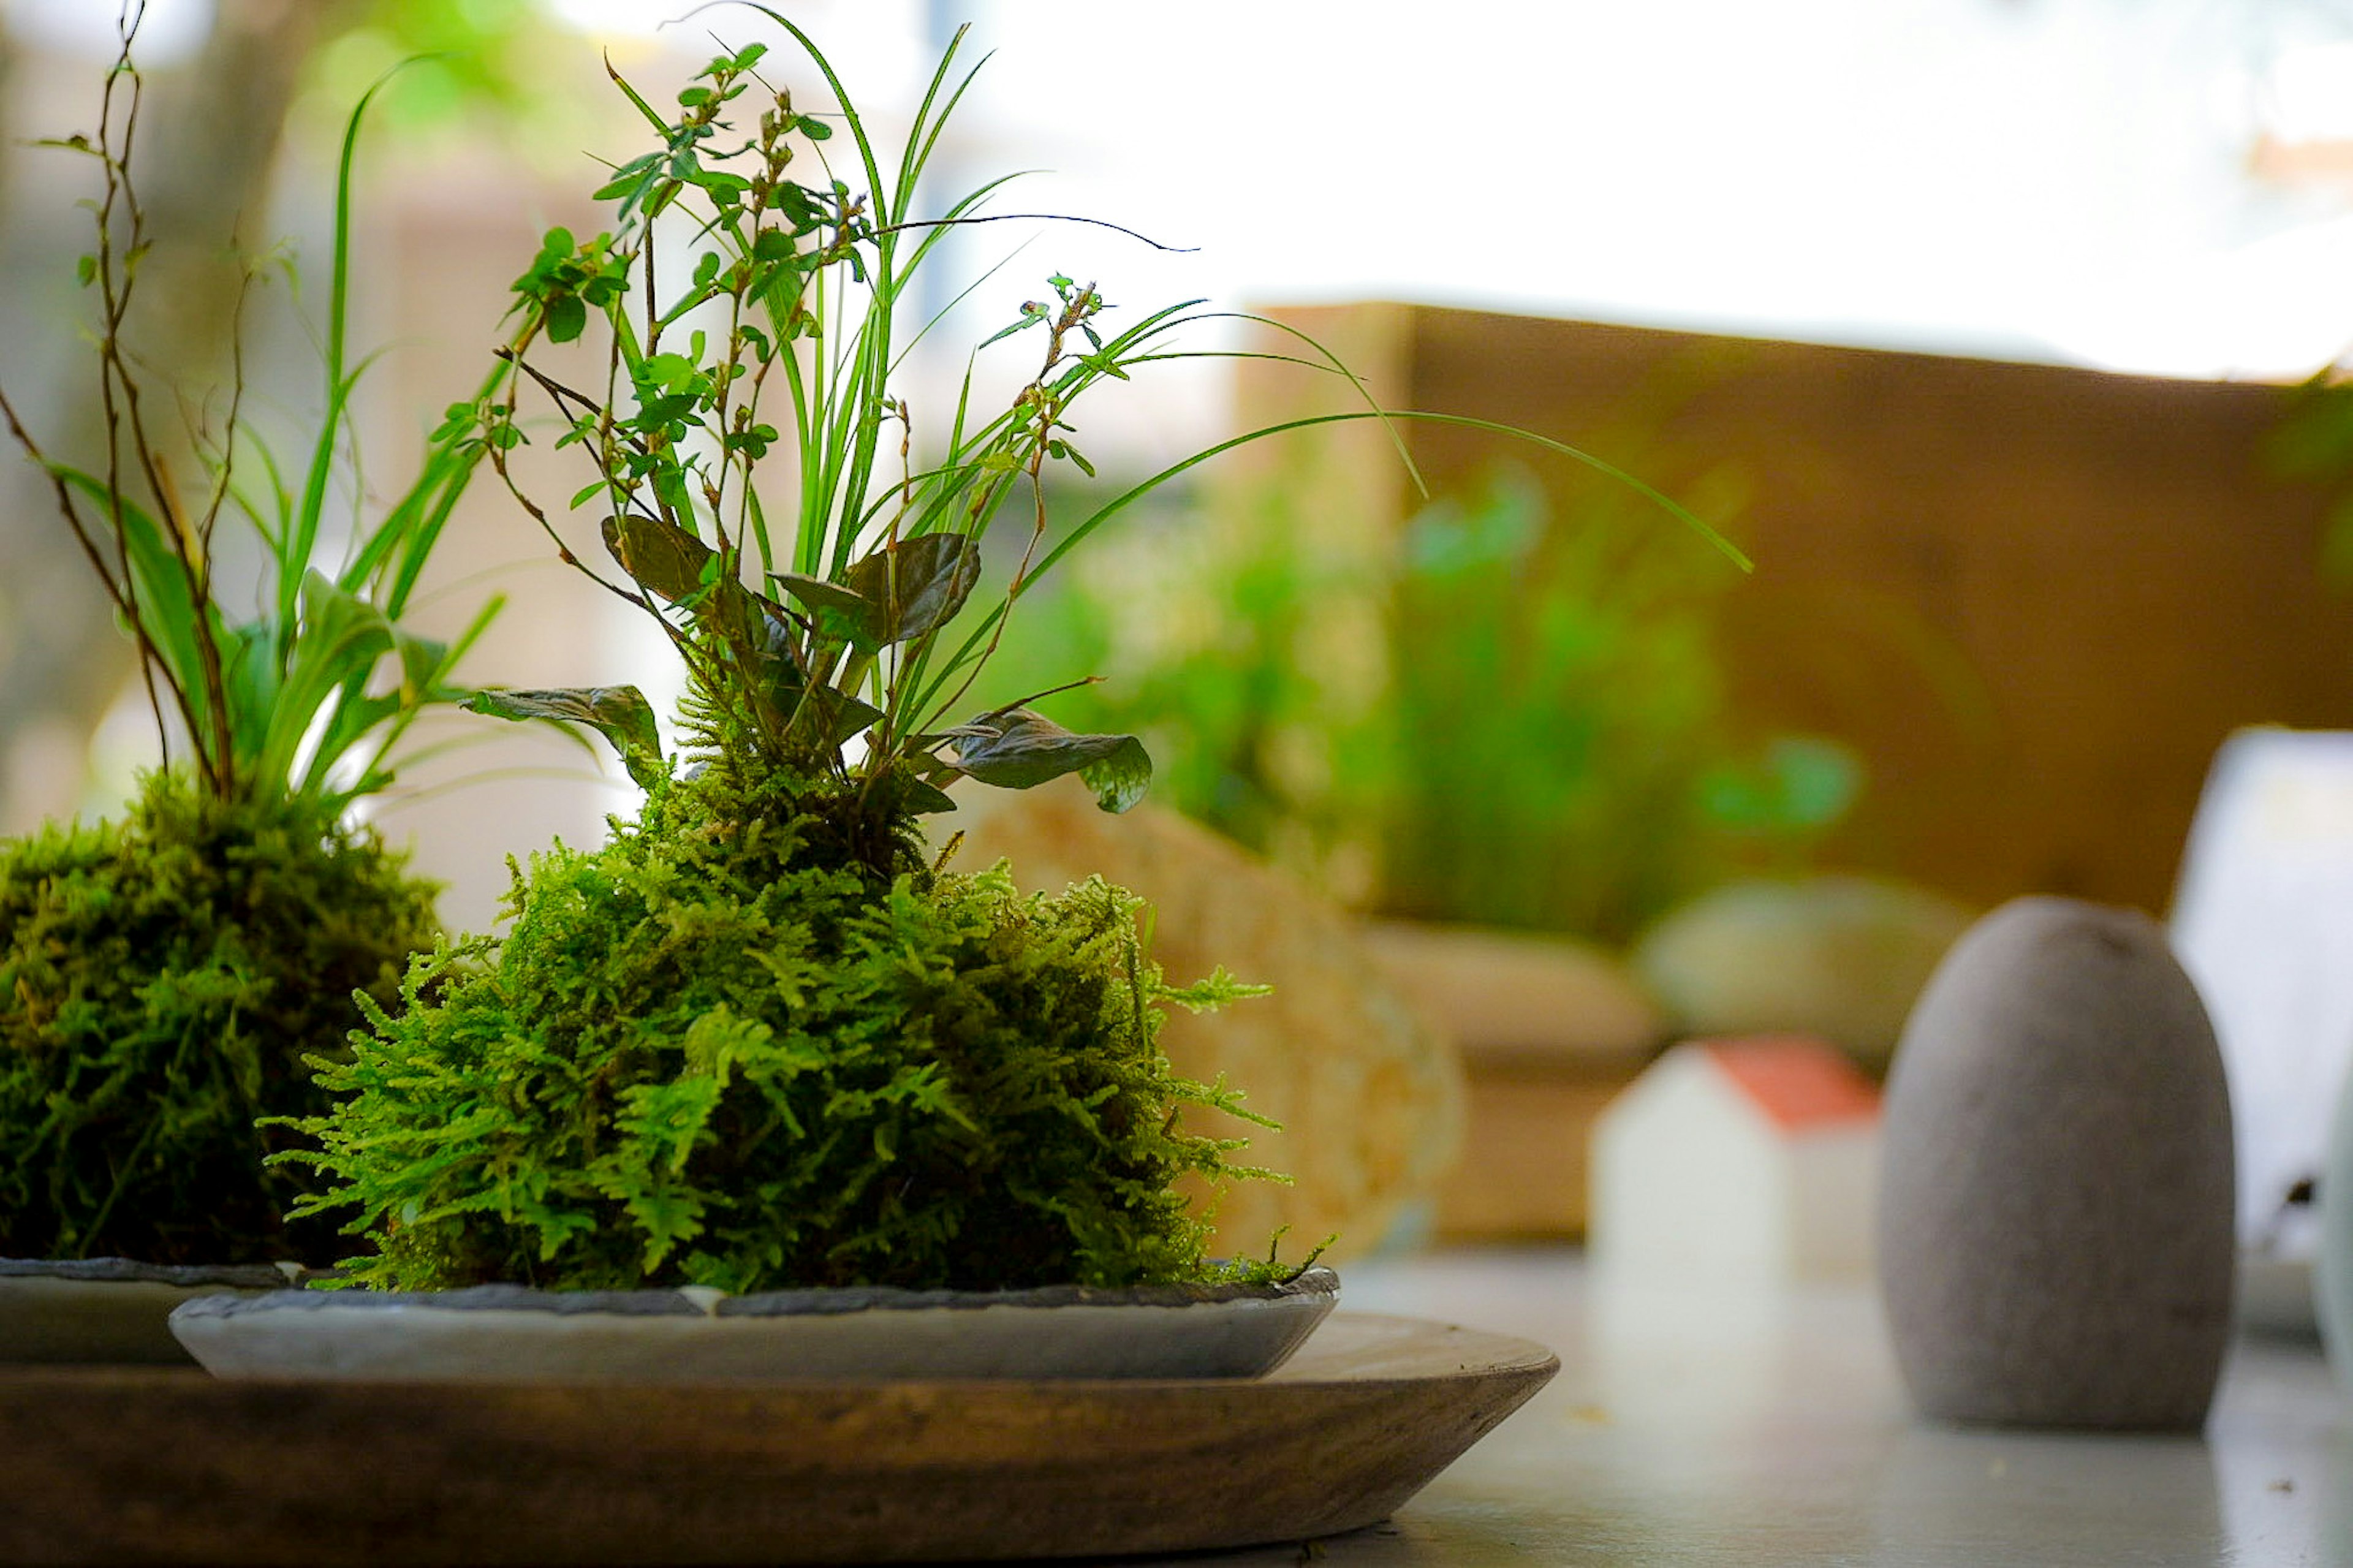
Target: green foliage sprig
816	634
287	699
816	637
698	1058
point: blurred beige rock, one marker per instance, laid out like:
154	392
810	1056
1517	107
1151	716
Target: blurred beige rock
1369	1095
1842	957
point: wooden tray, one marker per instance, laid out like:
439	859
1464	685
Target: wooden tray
124	1464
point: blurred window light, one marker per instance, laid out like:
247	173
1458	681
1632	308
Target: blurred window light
880	45
2272	310
2069	179
172	30
619	18
2159	188
2307	95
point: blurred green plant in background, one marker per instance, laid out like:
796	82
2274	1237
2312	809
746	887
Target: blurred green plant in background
2313	444
1563	756
477	71
1518	717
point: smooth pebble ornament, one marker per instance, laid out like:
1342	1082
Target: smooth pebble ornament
2056	1237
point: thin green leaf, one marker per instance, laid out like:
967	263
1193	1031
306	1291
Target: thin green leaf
342	636
918	584
1021	748
158	576
663	558
302	538
620	713
844	613
973	643
927	799
1121	778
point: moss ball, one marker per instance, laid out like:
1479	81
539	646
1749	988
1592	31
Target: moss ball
713	1052
161	979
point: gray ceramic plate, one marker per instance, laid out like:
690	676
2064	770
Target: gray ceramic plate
505	1333
109	1310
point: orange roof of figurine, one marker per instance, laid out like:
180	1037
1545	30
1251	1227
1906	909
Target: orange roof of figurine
1796	1081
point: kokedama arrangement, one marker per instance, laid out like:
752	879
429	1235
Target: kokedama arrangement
166	977
763	1038
764	1087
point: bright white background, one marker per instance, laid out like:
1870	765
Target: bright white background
2091	182
2070	180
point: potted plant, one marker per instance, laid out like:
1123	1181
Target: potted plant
166	976
764	1060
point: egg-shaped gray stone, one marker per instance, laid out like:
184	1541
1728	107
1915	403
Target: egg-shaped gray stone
2056	1228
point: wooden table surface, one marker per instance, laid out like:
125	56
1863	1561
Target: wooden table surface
1758	1428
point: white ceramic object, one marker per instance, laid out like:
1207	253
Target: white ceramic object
1745	1161
109	1310
2259	921
2333	1268
506	1334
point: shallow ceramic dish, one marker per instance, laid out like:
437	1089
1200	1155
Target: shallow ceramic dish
110	1309
506	1334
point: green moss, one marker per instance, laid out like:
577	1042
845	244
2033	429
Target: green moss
160	980
720	1051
